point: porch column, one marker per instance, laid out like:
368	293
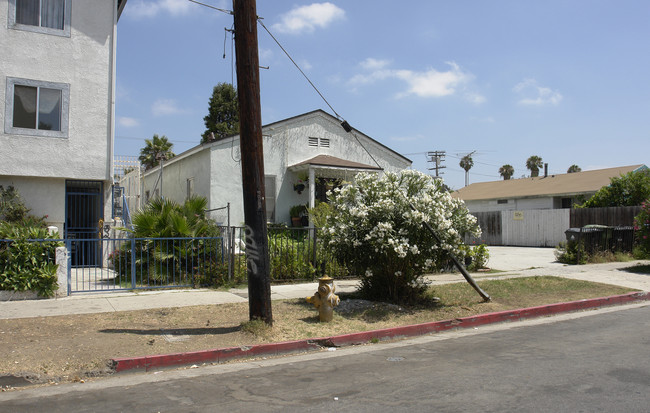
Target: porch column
312	192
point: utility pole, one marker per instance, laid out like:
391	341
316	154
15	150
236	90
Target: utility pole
436	157
252	160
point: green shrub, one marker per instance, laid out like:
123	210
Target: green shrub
290	258
642	231
571	252
375	228
28	265
480	256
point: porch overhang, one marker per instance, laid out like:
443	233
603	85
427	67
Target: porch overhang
332	167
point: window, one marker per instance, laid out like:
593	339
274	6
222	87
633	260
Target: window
502	201
190	187
37	108
269	193
42	16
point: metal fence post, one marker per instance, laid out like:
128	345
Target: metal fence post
68	246
133	263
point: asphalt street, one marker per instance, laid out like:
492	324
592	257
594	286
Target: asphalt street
590	361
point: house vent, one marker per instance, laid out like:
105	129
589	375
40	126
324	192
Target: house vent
319	142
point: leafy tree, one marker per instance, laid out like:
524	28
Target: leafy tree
506	171
223	113
466	162
533	164
631	189
155	149
574	168
372	229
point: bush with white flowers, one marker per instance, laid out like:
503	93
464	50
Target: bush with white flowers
375	232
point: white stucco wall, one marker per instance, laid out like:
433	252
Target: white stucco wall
286	144
85	62
42	196
511	205
216	167
194	163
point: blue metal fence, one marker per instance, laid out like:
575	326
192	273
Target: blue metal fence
149	263
117	264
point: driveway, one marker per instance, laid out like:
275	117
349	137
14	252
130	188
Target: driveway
522	258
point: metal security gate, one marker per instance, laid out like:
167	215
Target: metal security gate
150	263
83	212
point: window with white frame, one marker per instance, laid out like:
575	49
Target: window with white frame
37	108
42	16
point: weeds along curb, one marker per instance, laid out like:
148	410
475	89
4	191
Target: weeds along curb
147	363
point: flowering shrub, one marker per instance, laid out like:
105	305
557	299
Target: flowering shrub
374	231
642	229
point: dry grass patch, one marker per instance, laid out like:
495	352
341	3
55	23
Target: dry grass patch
72	348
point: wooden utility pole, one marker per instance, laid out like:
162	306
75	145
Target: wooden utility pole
252	160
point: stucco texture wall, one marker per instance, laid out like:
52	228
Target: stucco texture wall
84	62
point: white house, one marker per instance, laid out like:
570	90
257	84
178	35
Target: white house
533	212
301	154
542	192
57	96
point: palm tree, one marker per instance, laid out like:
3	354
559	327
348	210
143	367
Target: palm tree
154	150
506	171
466	162
533	164
574	168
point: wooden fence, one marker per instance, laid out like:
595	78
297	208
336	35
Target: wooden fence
611	217
545	227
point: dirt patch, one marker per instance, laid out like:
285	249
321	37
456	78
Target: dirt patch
78	348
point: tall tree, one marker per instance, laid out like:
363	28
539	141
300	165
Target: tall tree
631	189
533	164
223	113
466	162
506	171
156	148
574	168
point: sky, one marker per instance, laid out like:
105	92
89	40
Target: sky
566	80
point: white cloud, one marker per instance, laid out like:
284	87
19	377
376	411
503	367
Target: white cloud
148	9
428	84
164	107
374	64
127	122
305	19
532	94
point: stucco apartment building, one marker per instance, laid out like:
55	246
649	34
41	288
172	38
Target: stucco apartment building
57	95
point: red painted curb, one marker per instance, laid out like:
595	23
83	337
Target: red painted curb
147	363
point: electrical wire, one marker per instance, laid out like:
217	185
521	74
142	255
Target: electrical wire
212	7
298	67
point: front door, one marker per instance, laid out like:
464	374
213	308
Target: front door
83	212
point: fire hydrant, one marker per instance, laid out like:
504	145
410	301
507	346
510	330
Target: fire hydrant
324	299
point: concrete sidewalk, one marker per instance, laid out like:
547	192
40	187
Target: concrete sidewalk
514	261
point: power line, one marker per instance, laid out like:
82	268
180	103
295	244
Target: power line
298	67
211	7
